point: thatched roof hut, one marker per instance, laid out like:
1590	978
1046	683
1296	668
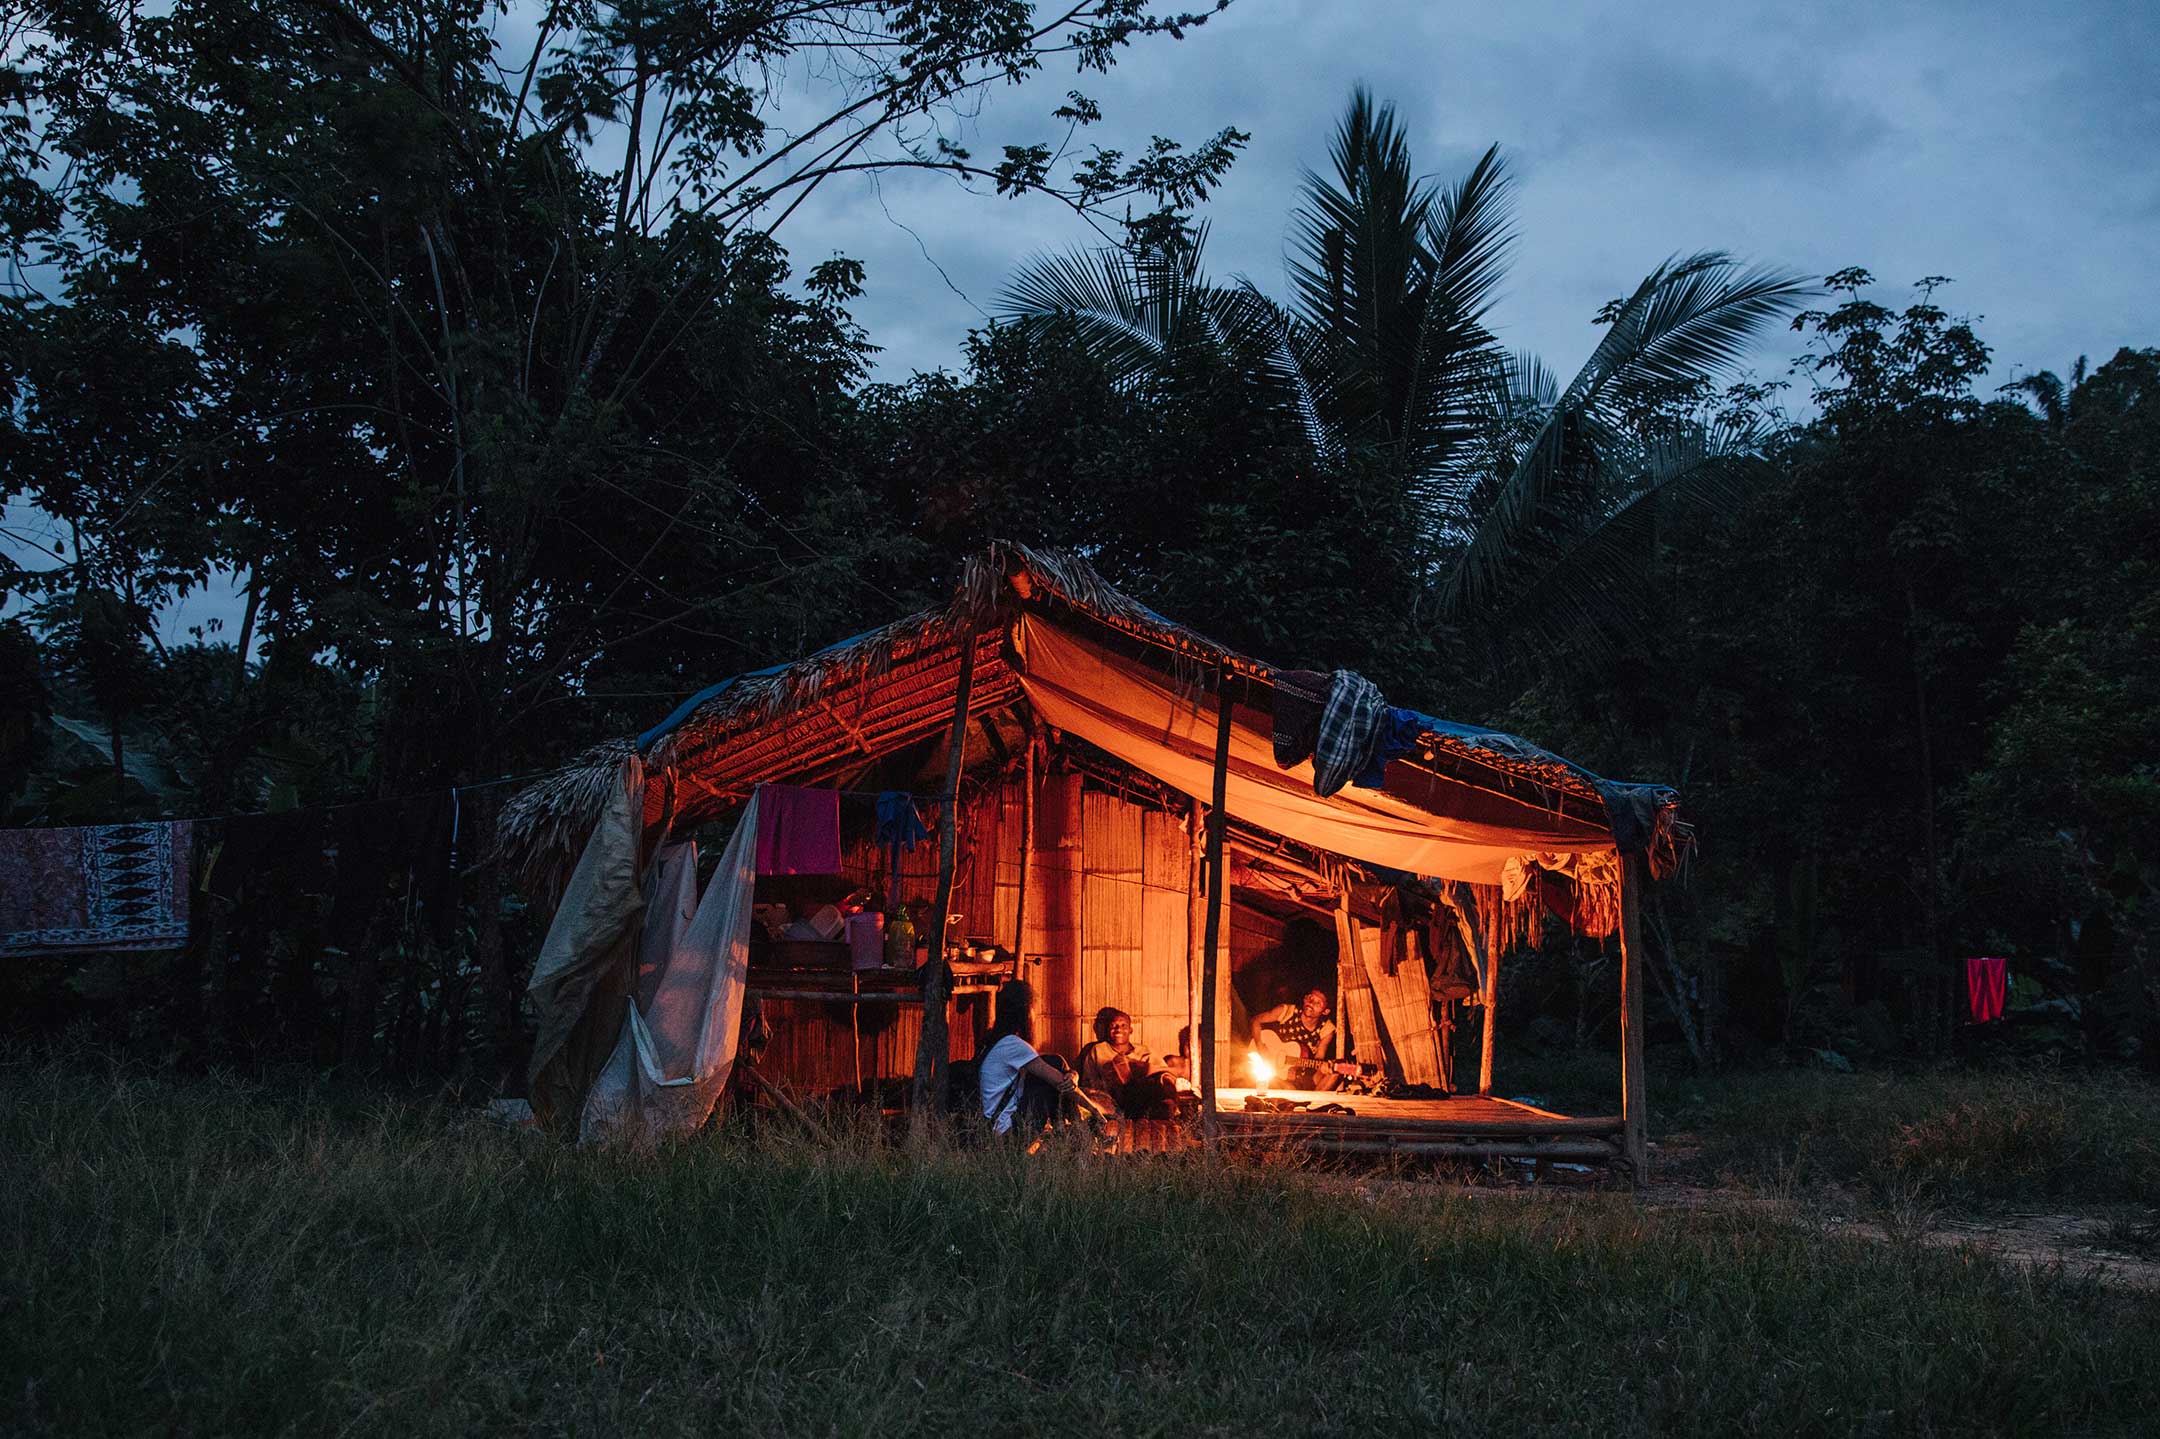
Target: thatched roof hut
1038	639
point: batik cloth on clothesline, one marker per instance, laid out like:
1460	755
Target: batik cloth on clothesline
101	888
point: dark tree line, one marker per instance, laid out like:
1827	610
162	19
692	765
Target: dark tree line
510	446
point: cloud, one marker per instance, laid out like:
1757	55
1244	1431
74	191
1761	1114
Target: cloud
1720	113
2007	147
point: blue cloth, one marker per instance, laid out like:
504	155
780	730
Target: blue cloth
899	826
705	696
899	823
1397	732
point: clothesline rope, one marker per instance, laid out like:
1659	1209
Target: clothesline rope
454	791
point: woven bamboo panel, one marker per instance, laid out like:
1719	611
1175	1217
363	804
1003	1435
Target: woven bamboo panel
1404	1001
813	1054
1165	853
1158	1009
1113	828
1111	968
1059	851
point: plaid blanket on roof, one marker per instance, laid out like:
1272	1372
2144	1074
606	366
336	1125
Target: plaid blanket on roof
1349	729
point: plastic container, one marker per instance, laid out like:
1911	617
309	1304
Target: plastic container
900	942
866	939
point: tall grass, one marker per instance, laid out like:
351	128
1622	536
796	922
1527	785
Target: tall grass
1977	1139
1974	1138
203	1257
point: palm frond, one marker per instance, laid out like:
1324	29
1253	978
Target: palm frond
1581	586
1129	310
1687	323
1447	375
1690	318
1531	386
1277	349
1468	234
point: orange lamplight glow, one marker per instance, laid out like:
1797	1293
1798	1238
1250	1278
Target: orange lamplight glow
1262	1071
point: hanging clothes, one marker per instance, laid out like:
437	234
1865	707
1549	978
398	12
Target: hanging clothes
428	832
1398	733
1300	697
1557	893
1453	975
899	827
798	830
99	889
1985	982
1349	729
368	853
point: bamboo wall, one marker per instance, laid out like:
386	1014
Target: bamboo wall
813	1046
1108	924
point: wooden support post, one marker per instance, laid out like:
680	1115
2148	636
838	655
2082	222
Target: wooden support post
1027	848
1195	936
1634	878
934	1050
1492	1011
1346	969
854	1021
1217	822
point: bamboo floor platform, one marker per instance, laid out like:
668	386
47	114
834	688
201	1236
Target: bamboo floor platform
1468	1126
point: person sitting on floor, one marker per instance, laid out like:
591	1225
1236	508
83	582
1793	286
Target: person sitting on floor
1298	1040
1120	1067
1022	1091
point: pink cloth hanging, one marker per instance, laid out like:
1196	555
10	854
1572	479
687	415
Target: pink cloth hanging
1986	981
798	830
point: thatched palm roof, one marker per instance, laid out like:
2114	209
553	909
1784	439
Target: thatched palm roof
838	708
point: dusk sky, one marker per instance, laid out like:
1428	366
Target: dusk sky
2007	146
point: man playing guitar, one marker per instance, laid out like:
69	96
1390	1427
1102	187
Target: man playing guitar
1300	1042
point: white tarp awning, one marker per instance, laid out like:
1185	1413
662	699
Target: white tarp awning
1136	714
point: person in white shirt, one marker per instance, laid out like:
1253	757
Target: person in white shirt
1021	1088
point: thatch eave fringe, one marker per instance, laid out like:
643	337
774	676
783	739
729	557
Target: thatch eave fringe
543	827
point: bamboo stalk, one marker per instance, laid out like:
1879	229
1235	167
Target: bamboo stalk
1633	876
1340	1048
785	1103
1588	1150
934	1049
1195	936
1027	850
1492	1013
1610	1126
1216	822
875	996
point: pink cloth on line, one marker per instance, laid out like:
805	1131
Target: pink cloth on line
798	830
1986	980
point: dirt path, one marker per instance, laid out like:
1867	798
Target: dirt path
2083	1245
2097	1247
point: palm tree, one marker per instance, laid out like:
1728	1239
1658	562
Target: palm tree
1529	493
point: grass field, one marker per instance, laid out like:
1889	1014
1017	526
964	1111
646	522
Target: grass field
202	1257
1973	1139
